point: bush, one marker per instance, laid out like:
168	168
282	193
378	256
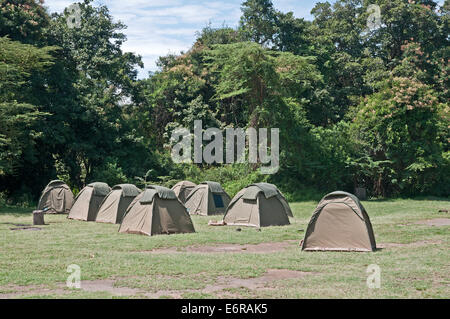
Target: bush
3	199
232	177
110	173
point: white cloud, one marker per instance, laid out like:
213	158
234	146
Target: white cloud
154	45
301	9
187	14
57	5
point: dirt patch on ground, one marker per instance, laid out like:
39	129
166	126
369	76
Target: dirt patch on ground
26	228
222	283
435	222
14	291
270	276
229	248
107	285
412	245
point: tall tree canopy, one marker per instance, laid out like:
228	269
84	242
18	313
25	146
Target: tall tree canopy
356	105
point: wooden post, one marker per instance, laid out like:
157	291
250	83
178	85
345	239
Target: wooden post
38	217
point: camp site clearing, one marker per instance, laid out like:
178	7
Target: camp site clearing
222	262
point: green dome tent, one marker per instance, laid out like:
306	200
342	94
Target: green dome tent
258	205
183	189
115	204
157	210
339	223
57	198
88	201
207	198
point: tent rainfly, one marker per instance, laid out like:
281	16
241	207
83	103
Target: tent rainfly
258	205
339	223
207	198
56	197
114	205
157	210
183	189
88	201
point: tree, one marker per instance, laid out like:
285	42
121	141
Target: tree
292	34
355	106
23	20
336	40
95	83
258	21
19	115
400	127
245	71
403	21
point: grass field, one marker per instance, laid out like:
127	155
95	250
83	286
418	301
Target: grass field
221	262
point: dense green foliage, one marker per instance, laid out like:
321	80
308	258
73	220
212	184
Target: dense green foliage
355	106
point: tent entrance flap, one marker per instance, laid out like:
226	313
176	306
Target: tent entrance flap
218	202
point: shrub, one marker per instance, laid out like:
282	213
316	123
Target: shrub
110	173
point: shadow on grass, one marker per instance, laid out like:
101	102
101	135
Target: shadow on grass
433	198
16	211
427	198
17	225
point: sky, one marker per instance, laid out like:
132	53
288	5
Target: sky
158	27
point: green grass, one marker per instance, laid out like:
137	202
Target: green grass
39	259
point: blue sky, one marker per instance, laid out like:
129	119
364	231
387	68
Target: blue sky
159	27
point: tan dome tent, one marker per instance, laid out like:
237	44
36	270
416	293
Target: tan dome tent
183	189
88	201
114	205
207	198
56	197
339	223
157	210
258	205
